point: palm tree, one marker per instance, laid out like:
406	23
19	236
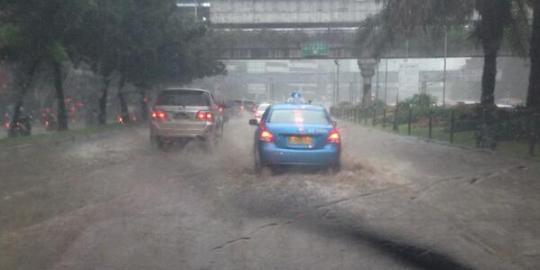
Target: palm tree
495	16
404	18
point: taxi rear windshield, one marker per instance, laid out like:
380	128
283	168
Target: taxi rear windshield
296	116
183	98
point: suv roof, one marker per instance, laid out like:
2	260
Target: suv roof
184	89
184	97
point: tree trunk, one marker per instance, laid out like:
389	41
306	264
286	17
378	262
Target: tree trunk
533	96
124	112
367	69
60	100
494	17
144	106
102	116
24	83
489	77
366	97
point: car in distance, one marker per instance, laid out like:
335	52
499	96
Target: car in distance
296	134
260	110
185	114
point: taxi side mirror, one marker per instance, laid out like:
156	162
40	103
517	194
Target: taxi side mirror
253	122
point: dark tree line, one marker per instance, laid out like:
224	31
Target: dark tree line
141	42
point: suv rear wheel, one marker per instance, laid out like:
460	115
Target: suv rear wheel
157	142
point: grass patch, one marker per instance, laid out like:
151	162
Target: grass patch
518	148
56	136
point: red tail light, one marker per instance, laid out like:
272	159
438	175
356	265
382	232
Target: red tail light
334	137
205	116
159	115
266	136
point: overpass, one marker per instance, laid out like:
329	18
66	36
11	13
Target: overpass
295	44
290	13
314	29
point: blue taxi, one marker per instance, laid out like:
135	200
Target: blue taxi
296	134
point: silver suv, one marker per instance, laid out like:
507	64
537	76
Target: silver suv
182	114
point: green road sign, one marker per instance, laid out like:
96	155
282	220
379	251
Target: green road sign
315	49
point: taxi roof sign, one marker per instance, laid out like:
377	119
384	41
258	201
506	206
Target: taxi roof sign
296	97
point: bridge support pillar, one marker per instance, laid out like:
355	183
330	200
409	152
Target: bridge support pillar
367	68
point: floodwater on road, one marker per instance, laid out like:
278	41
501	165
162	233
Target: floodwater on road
399	203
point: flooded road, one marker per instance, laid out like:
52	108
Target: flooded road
114	202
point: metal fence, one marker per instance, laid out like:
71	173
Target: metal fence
515	130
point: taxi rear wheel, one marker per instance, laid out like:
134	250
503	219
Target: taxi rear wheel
260	168
257	164
335	167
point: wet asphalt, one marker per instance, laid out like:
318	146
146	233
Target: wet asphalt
114	202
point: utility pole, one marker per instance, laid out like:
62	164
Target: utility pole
337	80
196	9
444	70
377	79
386	82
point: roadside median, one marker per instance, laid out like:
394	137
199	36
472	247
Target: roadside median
57	138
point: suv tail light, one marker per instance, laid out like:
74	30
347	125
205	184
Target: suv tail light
334	137
159	115
205	116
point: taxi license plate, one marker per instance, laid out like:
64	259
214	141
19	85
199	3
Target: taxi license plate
300	140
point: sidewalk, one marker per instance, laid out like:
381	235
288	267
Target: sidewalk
491	200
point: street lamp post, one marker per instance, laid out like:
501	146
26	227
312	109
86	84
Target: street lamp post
444	69
386	82
196	9
377	90
336	61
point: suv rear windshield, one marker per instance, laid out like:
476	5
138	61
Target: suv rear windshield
290	116
183	98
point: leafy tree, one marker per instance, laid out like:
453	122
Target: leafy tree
39	32
100	43
145	43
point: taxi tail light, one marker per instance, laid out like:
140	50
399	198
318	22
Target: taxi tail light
265	135
159	115
205	116
334	137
